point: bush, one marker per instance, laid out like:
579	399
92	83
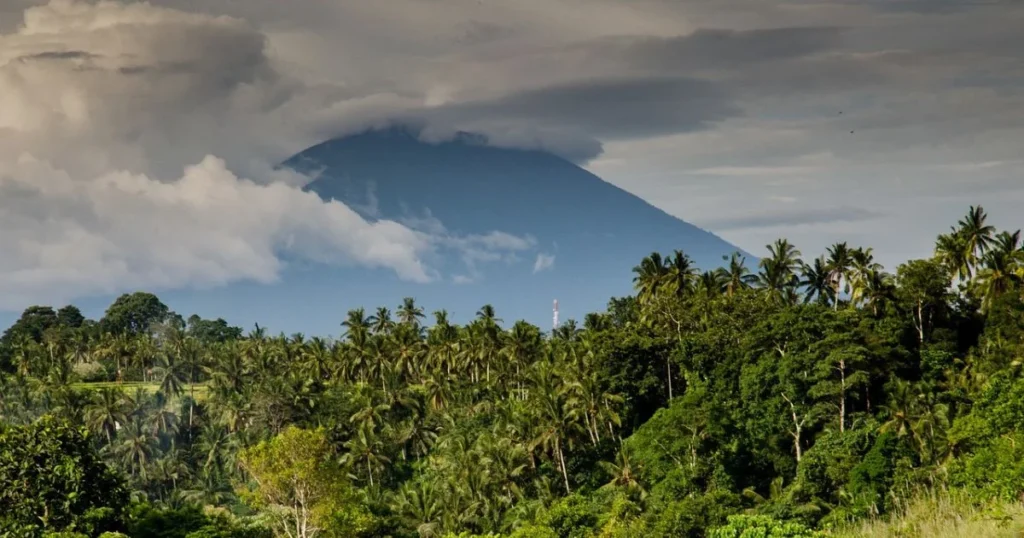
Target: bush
67	481
92	372
692	516
762	527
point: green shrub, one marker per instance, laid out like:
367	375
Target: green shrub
762	527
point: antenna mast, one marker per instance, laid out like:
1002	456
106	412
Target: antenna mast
554	320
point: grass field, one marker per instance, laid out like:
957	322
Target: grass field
130	387
941	515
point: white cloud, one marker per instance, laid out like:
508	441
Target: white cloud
139	145
543	262
66	236
101	90
462	279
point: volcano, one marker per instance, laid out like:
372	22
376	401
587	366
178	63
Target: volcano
587	234
580	236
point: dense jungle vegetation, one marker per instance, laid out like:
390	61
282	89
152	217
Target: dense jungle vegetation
803	396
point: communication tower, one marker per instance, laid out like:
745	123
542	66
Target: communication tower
554	320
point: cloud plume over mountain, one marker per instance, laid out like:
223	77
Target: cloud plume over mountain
139	151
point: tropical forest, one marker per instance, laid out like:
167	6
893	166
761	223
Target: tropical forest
795	395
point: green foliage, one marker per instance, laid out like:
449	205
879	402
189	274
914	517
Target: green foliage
762	527
692	516
52	479
298	481
826	393
134	313
574	516
882	467
148	521
212	331
152	522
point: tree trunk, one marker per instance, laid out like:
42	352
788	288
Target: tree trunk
668	369
561	461
920	322
842	395
798	426
191	403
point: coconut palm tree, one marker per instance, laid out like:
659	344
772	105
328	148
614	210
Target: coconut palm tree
381	322
839	262
711	283
172	373
651	276
356	324
737	275
975	236
951	251
108	412
680	274
999	272
816	282
877	289
778	278
409	313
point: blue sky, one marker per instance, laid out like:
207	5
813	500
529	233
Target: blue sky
140	139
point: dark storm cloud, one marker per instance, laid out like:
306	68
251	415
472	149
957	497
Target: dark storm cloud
58	55
618	108
929	7
796	217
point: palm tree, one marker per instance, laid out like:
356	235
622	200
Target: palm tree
778	276
553	424
409	313
901	409
218	449
520	350
1000	269
784	254
108	412
356	324
317	359
816	282
737	276
136	448
163	420
596	321
365	449
487	316
877	289
976	234
711	283
951	251
681	274
444	342
651	275
172	373
567	331
422	507
381	322
839	262
623	473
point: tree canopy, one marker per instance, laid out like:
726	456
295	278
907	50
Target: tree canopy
791	398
